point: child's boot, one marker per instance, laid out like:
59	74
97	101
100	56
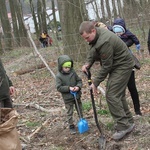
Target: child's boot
72	129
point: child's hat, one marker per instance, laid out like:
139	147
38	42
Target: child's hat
118	28
67	64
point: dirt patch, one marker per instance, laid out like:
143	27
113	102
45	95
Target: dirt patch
38	87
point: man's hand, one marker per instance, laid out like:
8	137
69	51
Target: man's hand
85	67
94	89
11	90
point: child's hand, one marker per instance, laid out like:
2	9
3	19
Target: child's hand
76	88
71	88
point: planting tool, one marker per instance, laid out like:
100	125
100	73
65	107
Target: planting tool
82	123
102	139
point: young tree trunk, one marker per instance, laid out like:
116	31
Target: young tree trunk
1	47
43	15
71	15
37	32
108	9
114	11
39	11
54	18
14	23
5	25
103	11
21	26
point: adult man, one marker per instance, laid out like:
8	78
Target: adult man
116	62
6	88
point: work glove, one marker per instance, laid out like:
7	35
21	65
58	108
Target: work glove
138	47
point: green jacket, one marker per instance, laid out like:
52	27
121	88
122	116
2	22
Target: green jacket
112	53
64	81
5	83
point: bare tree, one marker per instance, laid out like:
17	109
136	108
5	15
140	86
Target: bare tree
72	13
41	13
14	22
5	25
103	11
34	18
108	9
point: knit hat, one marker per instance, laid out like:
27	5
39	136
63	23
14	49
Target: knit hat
118	29
67	64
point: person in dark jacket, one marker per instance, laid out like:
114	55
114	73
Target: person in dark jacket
116	62
6	88
148	42
67	80
119	27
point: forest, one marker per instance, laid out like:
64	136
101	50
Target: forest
32	68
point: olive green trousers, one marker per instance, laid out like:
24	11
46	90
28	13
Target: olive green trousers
116	100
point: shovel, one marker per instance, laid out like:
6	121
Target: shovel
82	123
102	139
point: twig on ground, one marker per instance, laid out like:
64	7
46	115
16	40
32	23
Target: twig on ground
38	129
43	109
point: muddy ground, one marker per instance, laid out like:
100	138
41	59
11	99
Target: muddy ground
38	87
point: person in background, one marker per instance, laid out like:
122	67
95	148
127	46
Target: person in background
116	62
119	23
129	39
44	39
67	80
6	88
148	42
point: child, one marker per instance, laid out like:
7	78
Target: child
119	28
67	80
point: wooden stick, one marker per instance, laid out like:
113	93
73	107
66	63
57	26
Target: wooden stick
36	50
38	129
43	109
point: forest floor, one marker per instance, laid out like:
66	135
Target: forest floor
47	129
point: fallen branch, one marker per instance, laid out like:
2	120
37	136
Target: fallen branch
36	50
38	129
43	109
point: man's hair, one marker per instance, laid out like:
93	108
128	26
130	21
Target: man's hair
86	26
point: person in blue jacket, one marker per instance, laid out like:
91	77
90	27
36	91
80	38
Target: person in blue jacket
119	27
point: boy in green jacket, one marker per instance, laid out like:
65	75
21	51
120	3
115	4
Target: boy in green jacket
67	80
6	88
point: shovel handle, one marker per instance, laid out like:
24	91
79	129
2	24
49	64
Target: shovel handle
88	74
74	93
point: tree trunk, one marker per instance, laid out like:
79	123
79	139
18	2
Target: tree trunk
21	26
108	9
34	19
114	11
71	15
103	11
39	14
14	23
120	9
1	47
43	16
5	25
54	18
